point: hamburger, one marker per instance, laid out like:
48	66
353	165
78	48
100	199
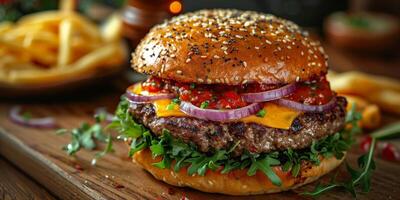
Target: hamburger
236	102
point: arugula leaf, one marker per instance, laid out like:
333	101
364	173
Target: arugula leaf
108	149
204	104
164	163
86	136
261	113
264	165
187	154
366	164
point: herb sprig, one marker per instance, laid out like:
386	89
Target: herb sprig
366	164
86	137
187	154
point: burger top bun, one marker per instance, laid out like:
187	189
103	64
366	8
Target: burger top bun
229	47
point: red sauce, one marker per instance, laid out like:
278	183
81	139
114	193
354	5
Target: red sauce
152	84
316	92
228	97
212	98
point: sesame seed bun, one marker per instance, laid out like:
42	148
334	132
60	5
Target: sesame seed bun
229	47
236	182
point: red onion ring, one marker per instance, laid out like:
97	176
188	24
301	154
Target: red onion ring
219	115
270	95
46	122
307	108
146	98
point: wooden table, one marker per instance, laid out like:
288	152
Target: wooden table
14	184
39	154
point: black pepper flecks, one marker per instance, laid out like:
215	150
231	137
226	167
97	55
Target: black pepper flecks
213	34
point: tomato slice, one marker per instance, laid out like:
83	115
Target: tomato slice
152	84
317	92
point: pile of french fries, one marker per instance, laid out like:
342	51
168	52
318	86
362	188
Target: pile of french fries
58	46
369	92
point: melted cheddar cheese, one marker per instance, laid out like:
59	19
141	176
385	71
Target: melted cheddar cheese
161	108
275	117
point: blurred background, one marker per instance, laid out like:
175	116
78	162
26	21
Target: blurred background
360	36
374	23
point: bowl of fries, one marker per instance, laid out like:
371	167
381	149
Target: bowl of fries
48	50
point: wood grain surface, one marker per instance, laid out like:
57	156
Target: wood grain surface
15	185
38	152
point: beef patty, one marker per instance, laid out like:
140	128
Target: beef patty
210	135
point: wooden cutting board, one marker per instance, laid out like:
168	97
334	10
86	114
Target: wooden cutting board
38	152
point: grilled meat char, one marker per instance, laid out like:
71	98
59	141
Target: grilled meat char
256	138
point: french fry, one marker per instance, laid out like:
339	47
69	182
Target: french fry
64	54
112	28
55	47
43	37
39	54
88	28
371	116
82	68
67	5
383	91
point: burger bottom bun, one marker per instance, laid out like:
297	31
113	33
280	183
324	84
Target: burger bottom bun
236	182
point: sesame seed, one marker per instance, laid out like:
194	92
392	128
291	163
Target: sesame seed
216	57
268	42
239	36
244	63
256	47
178	71
200	80
203	56
172	56
188	60
297	79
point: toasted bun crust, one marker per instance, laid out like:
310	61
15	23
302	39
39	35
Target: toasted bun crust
236	182
229	47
